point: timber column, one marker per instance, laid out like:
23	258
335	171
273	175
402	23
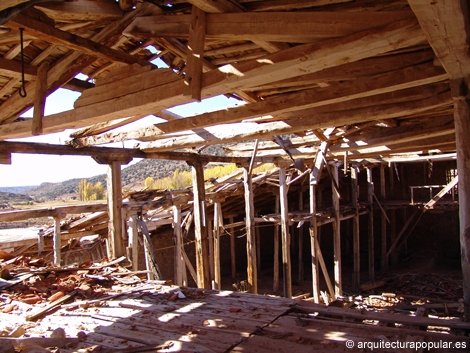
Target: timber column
460	95
200	225
116	229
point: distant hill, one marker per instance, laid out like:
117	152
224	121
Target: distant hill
16	189
10	198
133	177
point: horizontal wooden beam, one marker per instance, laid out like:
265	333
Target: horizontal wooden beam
293	27
13	68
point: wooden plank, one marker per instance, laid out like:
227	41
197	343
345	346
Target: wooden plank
40	96
252	270
308	57
313	232
285	236
293	27
382	317
197	32
276	246
446	27
402	231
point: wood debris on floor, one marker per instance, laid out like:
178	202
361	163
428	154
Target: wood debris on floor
107	308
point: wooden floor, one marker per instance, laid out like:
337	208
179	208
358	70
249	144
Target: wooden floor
224	321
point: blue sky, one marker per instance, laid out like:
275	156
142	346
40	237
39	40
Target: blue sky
28	170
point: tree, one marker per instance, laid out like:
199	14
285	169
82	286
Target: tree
98	191
149	183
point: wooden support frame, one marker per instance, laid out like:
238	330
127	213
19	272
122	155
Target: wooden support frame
384	219
40	98
285	236
115	226
218	225
355	226
276	246
197	33
460	93
336	232
180	268
200	225
57	241
314	246
233	250
370	243
252	270
133	233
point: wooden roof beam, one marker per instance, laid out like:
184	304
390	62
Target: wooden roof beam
295	27
362	87
245	131
446	25
307	58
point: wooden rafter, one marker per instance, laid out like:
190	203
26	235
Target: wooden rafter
447	27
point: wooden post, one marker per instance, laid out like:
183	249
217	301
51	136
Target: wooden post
252	271
179	260
286	263
460	95
258	248
115	226
300	273
393	214
200	225
57	241
233	252
40	98
337	233
356	237
133	240
370	196
197	34
276	248
217	223
210	238
384	262
314	241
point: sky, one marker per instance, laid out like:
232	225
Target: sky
30	170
